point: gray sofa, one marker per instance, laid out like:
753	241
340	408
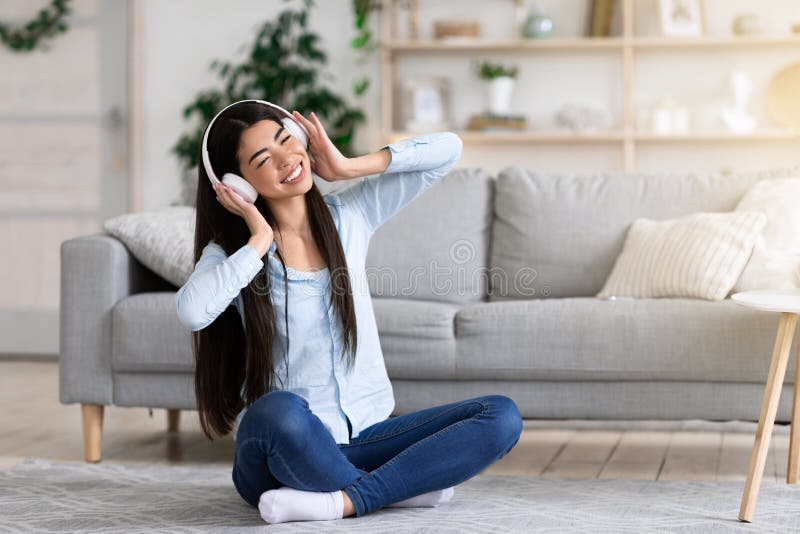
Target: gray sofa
482	285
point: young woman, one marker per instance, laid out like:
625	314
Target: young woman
296	360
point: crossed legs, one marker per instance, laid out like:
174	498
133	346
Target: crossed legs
280	442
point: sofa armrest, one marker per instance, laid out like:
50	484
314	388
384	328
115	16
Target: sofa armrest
97	271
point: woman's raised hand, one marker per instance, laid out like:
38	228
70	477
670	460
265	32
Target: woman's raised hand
248	211
326	160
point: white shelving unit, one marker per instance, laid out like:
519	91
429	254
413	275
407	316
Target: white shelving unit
627	45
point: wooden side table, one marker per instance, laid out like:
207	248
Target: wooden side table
787	303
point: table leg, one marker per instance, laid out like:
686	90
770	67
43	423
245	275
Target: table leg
769	407
793	470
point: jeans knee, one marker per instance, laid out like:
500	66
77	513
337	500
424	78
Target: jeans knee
280	412
508	420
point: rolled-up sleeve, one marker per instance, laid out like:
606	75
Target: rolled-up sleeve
417	163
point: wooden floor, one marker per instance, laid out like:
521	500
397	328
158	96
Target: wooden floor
34	423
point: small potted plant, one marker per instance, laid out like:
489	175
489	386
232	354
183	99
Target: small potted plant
501	81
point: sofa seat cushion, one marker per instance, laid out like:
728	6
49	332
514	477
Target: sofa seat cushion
417	337
147	336
622	339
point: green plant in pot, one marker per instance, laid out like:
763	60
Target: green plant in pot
500	85
284	66
362	42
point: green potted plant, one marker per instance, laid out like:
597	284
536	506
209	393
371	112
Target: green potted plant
500	80
283	65
362	42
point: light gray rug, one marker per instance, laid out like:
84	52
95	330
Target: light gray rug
47	496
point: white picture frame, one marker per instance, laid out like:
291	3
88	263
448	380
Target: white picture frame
425	104
681	18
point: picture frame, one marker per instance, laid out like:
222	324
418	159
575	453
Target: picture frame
424	104
682	18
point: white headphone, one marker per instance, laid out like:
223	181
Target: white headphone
234	181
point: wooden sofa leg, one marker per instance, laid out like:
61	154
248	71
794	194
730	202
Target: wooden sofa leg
92	431
173	420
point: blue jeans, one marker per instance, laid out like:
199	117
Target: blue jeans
280	442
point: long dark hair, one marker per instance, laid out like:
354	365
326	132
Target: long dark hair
226	358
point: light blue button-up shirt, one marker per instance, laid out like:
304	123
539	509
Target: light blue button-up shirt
316	370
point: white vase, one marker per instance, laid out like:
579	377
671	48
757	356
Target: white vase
500	91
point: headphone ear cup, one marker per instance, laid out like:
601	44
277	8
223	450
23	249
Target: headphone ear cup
296	130
241	186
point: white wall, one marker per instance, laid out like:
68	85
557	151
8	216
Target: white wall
182	37
54	142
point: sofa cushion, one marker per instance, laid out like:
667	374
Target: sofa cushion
436	247
623	339
148	335
558	235
163	241
697	256
417	337
775	263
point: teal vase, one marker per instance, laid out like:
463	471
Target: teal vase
538	25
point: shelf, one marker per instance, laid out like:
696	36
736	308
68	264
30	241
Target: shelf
529	136
713	42
506	44
721	136
554	136
632	51
584	43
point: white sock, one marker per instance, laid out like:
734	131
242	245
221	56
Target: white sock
430	499
289	504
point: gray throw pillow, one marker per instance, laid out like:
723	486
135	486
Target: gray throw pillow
163	241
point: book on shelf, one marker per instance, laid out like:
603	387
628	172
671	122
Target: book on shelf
493	122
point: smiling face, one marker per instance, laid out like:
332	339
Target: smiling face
269	157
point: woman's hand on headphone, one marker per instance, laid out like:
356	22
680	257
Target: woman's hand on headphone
248	211
327	162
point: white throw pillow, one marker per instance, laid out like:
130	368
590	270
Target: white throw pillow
163	241
697	256
776	255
